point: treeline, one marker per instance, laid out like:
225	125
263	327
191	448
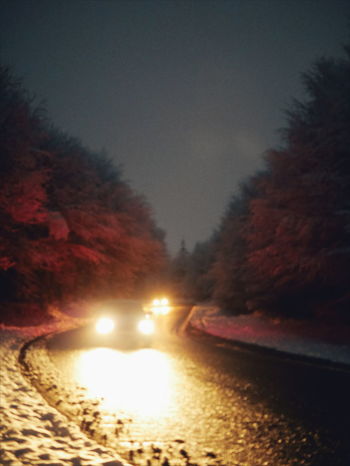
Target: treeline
70	226
283	246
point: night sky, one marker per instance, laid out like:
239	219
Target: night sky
184	95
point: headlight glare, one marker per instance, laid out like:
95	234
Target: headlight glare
146	326
105	325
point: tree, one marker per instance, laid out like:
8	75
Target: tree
284	245
23	176
70	225
199	280
298	228
229	266
179	270
113	243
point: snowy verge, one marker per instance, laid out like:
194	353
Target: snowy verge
329	343
32	432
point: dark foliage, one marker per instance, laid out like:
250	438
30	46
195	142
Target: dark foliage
69	225
285	245
229	268
190	276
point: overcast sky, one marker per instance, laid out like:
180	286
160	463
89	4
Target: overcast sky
185	95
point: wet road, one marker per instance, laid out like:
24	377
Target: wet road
194	400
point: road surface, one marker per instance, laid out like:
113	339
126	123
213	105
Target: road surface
197	400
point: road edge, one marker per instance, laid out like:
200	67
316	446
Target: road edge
321	363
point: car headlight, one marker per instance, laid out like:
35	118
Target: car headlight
160	306
146	326
105	325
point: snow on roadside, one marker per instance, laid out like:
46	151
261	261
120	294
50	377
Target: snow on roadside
287	336
31	431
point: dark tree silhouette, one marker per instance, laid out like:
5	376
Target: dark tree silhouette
229	271
298	229
199	278
70	225
289	251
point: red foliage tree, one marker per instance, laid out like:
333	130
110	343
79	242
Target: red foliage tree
298	228
23	176
289	251
70	226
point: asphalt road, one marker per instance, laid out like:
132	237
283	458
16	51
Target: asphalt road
196	400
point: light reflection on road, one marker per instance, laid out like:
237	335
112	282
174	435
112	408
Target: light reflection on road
140	382
184	398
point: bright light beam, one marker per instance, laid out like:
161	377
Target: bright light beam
105	325
140	382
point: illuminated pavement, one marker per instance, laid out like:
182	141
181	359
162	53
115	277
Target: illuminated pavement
199	402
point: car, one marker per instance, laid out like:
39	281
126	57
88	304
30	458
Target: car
159	306
124	321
